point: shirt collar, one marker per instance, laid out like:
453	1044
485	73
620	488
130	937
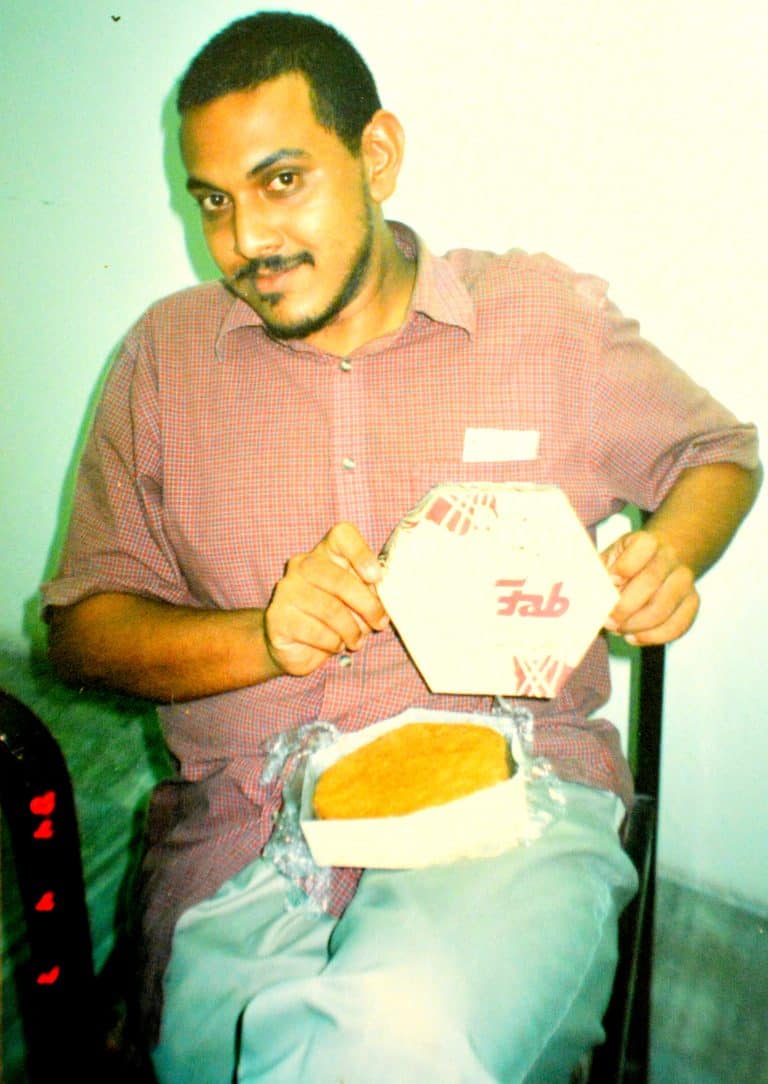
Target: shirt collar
438	291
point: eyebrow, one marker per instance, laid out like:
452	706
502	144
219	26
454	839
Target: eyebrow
277	156
195	183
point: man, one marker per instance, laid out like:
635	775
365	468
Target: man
256	443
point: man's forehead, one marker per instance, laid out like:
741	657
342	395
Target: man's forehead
275	114
287	96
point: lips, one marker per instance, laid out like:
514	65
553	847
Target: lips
269	276
271	282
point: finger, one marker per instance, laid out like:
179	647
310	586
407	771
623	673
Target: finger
286	632
634	595
660	603
341	584
313	615
672	628
630	554
294	657
346	547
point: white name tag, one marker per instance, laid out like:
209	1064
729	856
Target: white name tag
500	445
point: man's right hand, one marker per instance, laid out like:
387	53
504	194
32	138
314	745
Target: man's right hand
325	603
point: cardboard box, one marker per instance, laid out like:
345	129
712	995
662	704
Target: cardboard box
495	589
482	824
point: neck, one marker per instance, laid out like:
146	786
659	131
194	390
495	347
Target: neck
381	305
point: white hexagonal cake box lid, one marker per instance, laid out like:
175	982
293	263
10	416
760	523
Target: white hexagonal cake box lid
495	588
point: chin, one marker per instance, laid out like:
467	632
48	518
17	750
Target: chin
283	322
300	327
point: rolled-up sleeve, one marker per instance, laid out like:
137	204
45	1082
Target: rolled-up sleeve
116	540
650	421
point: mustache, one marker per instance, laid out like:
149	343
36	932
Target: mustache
272	265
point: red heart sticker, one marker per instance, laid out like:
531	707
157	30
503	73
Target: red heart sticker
47	902
48	978
44	830
44	804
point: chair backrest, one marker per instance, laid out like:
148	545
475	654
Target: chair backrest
647	713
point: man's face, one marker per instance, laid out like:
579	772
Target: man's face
285	207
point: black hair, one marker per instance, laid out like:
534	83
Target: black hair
264	46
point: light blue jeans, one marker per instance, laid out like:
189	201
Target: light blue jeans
495	969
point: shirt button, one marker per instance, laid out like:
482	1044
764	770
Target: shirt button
345	661
345	365
348	463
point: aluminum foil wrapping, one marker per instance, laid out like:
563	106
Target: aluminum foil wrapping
287	849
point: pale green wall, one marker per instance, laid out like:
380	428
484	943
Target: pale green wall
627	139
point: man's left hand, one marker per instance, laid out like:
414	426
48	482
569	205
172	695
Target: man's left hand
659	600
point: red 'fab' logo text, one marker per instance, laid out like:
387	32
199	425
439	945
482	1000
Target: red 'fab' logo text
530	604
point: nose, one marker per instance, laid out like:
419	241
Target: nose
256	232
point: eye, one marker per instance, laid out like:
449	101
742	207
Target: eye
213	203
284	182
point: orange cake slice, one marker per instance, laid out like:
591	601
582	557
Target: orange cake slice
412	767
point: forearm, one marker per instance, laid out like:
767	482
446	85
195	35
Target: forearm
702	512
151	649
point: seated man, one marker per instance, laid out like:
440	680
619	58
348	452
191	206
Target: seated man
257	441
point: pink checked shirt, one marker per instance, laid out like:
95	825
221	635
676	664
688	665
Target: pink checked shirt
217	453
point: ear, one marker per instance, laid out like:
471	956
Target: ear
382	147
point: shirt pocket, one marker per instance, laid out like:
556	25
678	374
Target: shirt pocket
427	475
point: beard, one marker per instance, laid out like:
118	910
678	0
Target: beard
303	326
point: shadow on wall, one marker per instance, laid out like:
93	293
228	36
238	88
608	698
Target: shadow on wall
204	270
33	627
183	206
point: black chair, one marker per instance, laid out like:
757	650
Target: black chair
56	984
624	1057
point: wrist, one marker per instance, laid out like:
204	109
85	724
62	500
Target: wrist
677	549
272	666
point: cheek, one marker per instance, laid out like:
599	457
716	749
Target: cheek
332	217
308	227
220	244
